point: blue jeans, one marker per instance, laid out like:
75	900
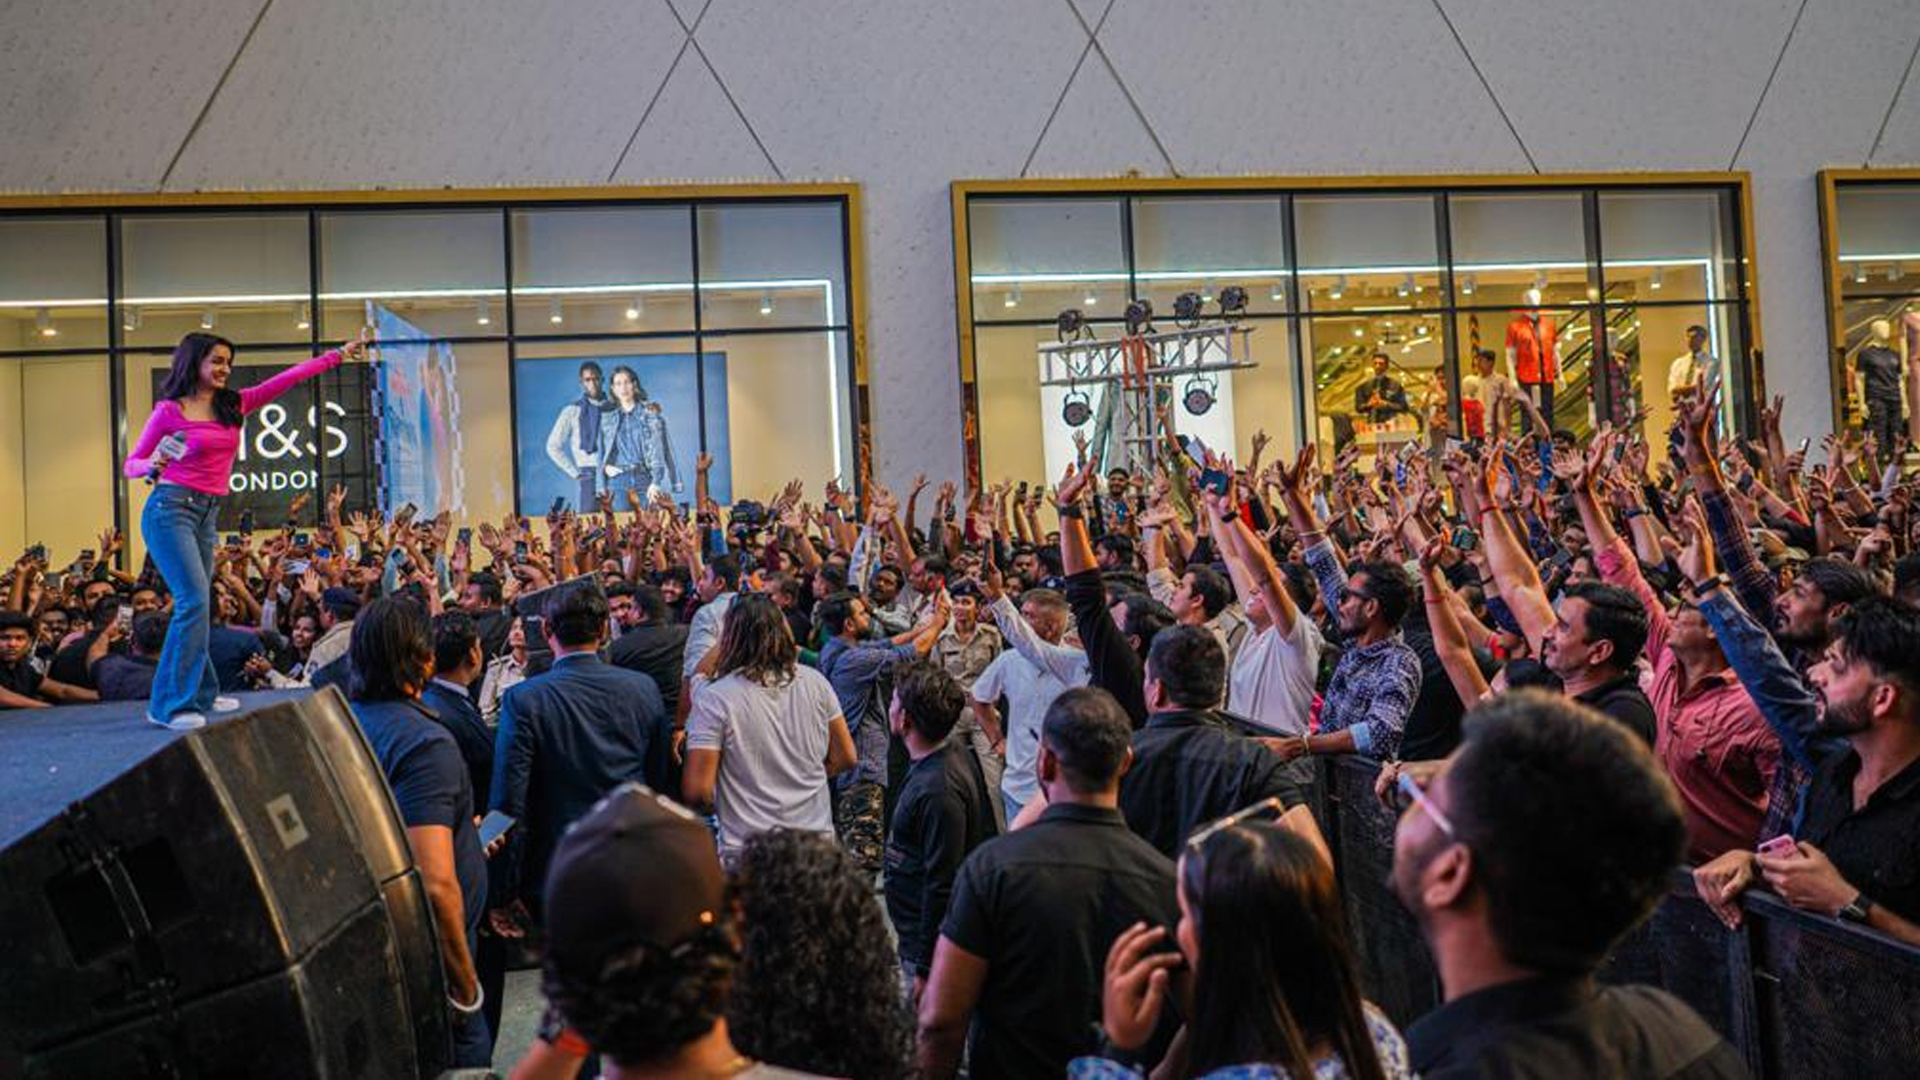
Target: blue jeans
1013	805
177	525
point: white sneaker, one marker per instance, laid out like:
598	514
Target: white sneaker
225	703
186	721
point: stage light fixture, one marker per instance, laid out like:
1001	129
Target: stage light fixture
766	303
553	312
208	318
1339	287
481	314
1233	303
1187	309
1139	316
1071	324
43	321
1077	409
1198	397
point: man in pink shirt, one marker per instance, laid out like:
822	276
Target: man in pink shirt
1716	747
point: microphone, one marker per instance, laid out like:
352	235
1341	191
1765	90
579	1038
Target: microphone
173	446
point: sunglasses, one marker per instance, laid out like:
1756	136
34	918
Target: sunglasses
1418	797
1347	594
1268	809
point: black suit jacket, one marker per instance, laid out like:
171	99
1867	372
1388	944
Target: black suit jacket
566	738
456	712
654	650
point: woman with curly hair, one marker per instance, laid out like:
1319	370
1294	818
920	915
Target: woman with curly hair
818	987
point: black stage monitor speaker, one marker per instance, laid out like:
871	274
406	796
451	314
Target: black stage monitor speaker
237	900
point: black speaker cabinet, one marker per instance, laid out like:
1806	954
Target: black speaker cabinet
241	890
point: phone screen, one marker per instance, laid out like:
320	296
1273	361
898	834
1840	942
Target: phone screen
559	504
1217	481
126	616
494	826
466	536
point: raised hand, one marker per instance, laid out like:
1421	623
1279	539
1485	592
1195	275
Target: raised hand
1072	485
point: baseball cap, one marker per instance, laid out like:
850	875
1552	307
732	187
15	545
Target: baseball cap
637	869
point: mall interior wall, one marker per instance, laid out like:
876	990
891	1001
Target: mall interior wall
908	95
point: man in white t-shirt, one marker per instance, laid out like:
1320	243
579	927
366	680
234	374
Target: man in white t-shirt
1037	669
763	734
1270	684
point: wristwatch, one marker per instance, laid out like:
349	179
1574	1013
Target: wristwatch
1857	909
1700	589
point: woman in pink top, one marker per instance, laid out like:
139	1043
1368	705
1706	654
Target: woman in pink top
188	446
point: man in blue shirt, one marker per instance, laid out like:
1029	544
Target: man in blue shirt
858	667
569	736
392	658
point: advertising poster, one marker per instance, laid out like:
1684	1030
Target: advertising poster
417	399
584	425
316	435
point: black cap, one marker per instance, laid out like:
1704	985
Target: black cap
343	602
637	869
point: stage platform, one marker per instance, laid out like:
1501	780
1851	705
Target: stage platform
51	757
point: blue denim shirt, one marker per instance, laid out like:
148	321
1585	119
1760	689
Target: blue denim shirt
1784	699
855	672
1373	686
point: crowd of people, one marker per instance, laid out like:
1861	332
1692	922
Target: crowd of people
1021	786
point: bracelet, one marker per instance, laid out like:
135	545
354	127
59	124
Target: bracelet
1070	511
1700	589
1629	515
479	999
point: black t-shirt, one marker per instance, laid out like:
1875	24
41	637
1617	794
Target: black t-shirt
70	664
1042	906
430	786
1623	700
1880	373
21	678
1877	847
1549	1028
1188	769
943	812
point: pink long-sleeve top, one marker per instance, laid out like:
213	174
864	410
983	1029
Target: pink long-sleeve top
211	445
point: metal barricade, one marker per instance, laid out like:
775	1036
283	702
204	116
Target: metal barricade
1798	994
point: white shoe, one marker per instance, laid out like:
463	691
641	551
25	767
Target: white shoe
186	721
225	703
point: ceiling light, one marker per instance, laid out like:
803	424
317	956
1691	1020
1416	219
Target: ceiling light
1339	287
634	308
1466	285
207	319
1406	348
1417	286
766	303
43	321
1279	294
1012	299
553	312
481	314
1406	285
1089	300
131	320
1359	331
1540	280
1659	278
305	321
1860	273
1895	272
1206	293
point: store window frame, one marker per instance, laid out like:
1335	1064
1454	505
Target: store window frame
1739	296
854	426
1832	182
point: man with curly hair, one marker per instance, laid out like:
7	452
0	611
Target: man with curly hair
642	973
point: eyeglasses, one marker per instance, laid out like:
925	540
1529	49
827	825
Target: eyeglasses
1348	593
1266	809
1420	798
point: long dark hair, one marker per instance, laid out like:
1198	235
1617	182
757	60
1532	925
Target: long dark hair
183	379
1275	973
391	651
757	642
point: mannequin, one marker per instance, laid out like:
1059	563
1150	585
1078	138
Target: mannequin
1688	367
1882	374
1531	358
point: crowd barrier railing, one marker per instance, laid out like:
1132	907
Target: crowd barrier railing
1798	994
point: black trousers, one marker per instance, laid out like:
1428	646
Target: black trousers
1883	423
